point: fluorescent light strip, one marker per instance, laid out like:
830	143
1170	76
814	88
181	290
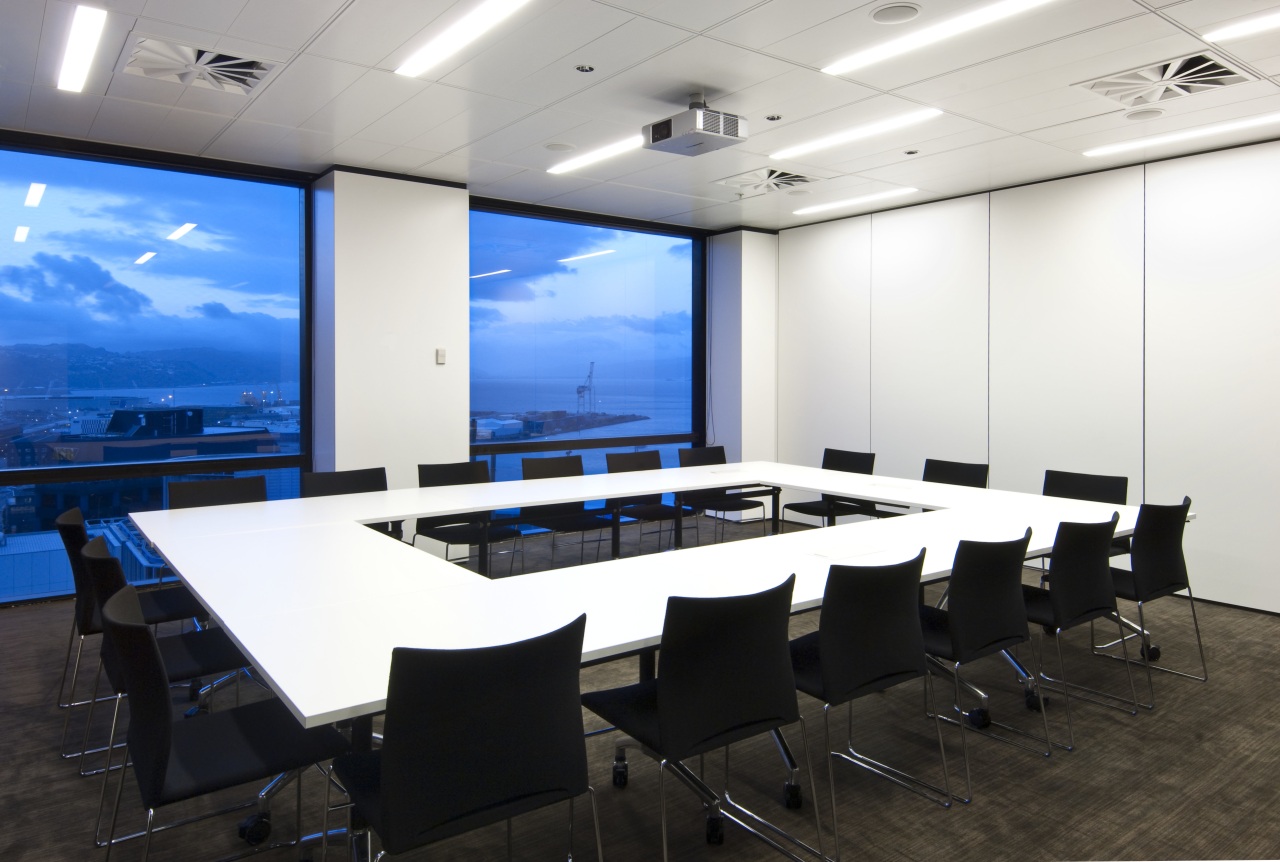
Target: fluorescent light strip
1190	134
598	155
459	35
858	133
584	256
82	44
495	272
34	194
865	199
929	35
146	257
20	235
1245	28
182	231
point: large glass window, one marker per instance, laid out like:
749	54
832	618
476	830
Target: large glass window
579	333
150	330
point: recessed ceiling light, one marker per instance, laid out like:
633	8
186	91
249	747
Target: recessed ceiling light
929	35
585	68
598	155
20	235
1188	135
146	257
857	133
459	35
895	13
34	193
182	231
773	118
485	274
560	148
1245	28
1146	114
865	199
82	44
584	256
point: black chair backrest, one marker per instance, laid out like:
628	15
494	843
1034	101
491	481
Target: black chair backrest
147	684
1081	588
724	670
106	578
985	608
1086	486
955	473
552	468
452	473
476	736
847	462
701	456
633	462
217	492
869	634
1159	566
71	529
344	482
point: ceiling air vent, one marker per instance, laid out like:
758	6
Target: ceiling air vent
195	67
765	180
1171	79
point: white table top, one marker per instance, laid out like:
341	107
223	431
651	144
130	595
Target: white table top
319	601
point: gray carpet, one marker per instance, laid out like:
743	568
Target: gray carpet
1197	778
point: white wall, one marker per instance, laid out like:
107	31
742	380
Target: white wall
742	363
1066	330
390	275
1213	363
1129	318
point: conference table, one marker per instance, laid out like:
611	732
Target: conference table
318	601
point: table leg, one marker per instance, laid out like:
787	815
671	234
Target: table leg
679	524
482	563
615	535
776	495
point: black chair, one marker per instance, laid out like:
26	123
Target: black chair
473	737
1081	592
955	473
868	640
352	482
474	528
1094	487
1159	569
188	656
724	675
830	507
648	508
715	499
985	615
561	517
161	605
217	492
178	760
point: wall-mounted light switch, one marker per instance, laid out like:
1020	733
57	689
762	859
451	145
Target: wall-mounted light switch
439	356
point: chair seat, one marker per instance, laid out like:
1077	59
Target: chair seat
1127	589
469	533
806	661
1040	610
569	523
224	749
168	604
727	504
652	512
194	654
936	628
836	508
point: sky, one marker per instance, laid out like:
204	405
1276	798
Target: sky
231	283
628	310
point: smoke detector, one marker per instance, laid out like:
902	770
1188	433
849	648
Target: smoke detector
765	180
1169	79
191	66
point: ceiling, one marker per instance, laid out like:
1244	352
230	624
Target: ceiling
1013	110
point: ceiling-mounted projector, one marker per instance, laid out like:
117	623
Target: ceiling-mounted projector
695	131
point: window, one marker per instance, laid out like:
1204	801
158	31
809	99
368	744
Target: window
150	326
583	337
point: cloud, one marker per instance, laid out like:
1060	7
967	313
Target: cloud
496	289
482	317
78	281
213	311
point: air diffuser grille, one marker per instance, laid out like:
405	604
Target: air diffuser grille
1167	80
195	67
765	180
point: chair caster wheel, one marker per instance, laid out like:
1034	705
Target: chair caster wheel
1151	653
619	773
255	828
1050	631
193	689
1033	702
198	709
791	795
979	717
715	829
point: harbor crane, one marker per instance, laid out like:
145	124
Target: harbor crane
587	392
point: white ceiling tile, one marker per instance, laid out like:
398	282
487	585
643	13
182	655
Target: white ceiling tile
369	30
210	101
535	130
418	115
289	25
460	169
484	116
776	20
698	175
128	123
18	50
300	89
354	151
403	159
253	50
696	16
214	16
143	89
245	136
1205	15
627	201
792	95
364	102
51	36
981	167
518	21
531	186
14	97
55	112
868	158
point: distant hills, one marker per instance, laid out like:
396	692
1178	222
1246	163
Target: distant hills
40	368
